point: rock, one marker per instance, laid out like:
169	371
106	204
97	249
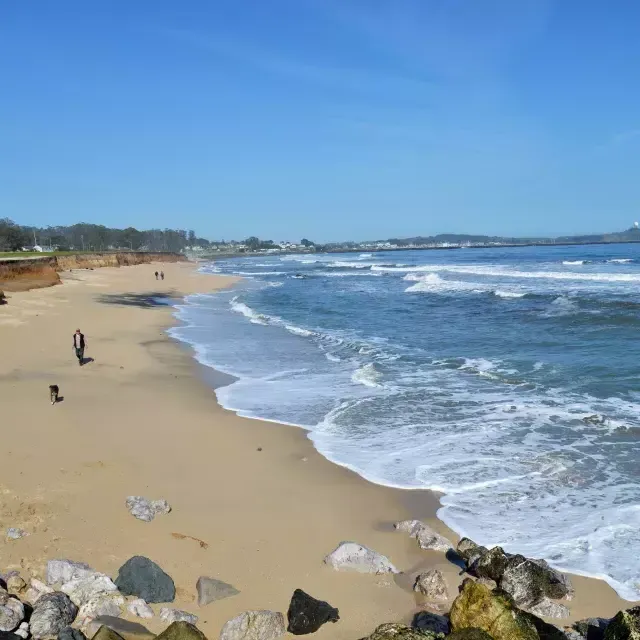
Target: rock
355	557
470	634
11	612
592	628
254	625
143	578
432	584
478	607
181	631
528	582
307	615
559	583
69	633
23	630
140	609
104	633
124	628
488	582
549	609
468	550
177	615
625	625
15	585
101	605
397	631
209	590
427	621
427	538
61	571
81	590
16	534
545	630
145	509
36	589
490	564
52	613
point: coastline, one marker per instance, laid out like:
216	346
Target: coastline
142	419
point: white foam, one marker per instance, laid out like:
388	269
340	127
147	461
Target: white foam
509	294
298	331
331	357
574	262
433	283
621	260
247	312
364	256
367	375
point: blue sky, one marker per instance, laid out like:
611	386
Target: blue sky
330	119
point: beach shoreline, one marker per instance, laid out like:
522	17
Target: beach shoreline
142	419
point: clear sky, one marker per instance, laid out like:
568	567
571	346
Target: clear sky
330	119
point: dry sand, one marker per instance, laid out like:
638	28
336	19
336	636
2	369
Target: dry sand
140	420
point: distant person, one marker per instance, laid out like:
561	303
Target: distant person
162	275
156	275
79	344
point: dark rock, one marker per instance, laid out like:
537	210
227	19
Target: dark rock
545	630
469	551
495	613
427	621
143	578
181	631
625	625
592	628
397	631
491	564
470	634
529	581
9	635
104	633
210	590
51	614
307	615
124	628
69	633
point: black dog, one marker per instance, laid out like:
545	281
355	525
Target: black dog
53	391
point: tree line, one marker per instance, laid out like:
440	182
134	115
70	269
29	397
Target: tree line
95	237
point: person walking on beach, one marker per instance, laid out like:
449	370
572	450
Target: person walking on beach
79	345
162	275
156	275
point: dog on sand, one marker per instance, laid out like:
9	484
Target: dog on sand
53	392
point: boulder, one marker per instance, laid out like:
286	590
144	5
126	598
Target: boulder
478	607
52	613
625	625
490	564
592	628
488	582
23	631
36	589
432	585
560	583
428	621
81	590
104	633
61	571
468	550
397	631
16	585
181	631
140	609
11	612
177	615
307	615
356	557
145	509
209	590
545	630
254	625
101	605
69	633
143	578
470	634
124	628
549	609
528	581
427	538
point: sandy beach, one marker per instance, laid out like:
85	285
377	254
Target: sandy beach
140	419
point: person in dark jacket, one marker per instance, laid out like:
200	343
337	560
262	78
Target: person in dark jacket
79	344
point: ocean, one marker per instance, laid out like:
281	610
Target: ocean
508	379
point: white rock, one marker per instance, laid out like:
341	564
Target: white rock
427	538
15	584
254	625
15	534
145	509
36	589
61	571
432	584
140	608
100	605
11	612
355	557
549	609
176	615
23	630
82	590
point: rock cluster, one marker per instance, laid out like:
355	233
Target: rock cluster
427	538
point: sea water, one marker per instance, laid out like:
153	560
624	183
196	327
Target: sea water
467	371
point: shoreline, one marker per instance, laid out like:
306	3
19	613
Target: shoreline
141	419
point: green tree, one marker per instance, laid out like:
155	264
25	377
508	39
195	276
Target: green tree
307	243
